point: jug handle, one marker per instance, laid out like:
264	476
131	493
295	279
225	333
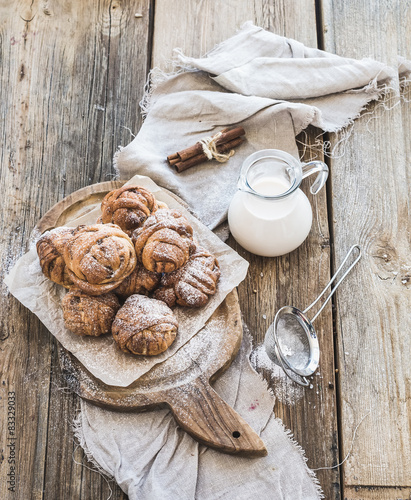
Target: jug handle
311	168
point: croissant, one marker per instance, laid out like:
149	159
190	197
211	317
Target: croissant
160	204
164	243
99	258
144	326
50	249
87	315
128	207
140	281
193	284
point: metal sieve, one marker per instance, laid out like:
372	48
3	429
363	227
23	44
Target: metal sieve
291	341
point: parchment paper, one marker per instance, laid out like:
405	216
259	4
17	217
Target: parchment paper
100	355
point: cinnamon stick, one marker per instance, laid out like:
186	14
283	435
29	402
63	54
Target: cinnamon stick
173	161
226	136
184	155
200	158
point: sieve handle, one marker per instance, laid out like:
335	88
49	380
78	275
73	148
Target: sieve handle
333	278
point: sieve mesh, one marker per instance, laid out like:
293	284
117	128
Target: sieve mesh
293	341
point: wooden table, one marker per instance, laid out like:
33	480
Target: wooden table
72	75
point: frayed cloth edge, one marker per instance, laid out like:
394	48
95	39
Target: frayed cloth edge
156	76
77	427
312	475
310	472
115	163
405	83
373	93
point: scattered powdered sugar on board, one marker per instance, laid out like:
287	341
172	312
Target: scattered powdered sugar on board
283	388
205	353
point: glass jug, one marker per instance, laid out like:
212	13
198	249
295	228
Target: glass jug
269	215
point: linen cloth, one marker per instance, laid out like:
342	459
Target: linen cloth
151	458
274	87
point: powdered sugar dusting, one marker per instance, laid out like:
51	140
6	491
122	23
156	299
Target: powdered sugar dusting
99	355
207	351
284	389
193	284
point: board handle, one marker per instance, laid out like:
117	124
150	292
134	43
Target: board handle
201	412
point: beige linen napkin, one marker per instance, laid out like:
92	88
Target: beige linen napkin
274	87
151	458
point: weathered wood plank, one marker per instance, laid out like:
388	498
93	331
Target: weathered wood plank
309	413
68	472
373	320
376	492
23	441
196	27
72	75
299	277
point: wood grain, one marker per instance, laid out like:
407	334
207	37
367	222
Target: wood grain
75	205
294	279
203	24
373	320
70	86
376	493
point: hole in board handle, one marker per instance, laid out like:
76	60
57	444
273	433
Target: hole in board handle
236	434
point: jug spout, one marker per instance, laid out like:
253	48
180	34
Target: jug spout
313	167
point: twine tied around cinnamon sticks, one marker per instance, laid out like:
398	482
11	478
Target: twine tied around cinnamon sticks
210	148
219	147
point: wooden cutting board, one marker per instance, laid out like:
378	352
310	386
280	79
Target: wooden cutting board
182	382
